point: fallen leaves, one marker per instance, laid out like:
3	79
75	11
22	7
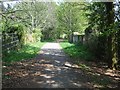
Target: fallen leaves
36	74
113	73
46	69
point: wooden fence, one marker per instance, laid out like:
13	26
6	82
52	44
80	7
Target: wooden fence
10	42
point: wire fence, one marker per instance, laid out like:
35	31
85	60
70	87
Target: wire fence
10	41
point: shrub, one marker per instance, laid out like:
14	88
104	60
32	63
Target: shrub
37	35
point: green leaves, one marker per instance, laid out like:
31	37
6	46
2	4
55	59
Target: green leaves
97	16
76	51
71	17
31	13
28	51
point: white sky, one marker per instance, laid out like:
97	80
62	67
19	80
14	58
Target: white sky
12	3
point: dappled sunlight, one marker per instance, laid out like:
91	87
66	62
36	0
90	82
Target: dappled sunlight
57	61
53	69
60	44
50	81
55	85
65	67
36	74
48	69
76	84
47	65
40	82
68	64
46	76
55	52
113	73
98	86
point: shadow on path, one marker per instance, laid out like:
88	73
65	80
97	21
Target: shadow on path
50	69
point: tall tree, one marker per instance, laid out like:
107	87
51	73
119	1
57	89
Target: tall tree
71	18
32	13
111	40
102	19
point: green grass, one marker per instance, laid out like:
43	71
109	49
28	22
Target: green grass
76	51
48	40
28	51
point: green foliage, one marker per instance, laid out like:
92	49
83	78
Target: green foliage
28	51
38	15
31	14
101	19
37	35
71	17
76	51
97	16
19	29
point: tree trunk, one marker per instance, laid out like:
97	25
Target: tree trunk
114	52
118	40
111	40
109	51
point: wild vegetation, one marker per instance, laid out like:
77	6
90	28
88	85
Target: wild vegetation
26	26
105	29
99	25
77	51
35	21
28	51
31	22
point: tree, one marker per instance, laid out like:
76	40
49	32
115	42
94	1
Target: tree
112	54
49	26
71	17
102	20
32	13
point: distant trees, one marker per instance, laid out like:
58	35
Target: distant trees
71	18
32	13
99	17
37	18
49	26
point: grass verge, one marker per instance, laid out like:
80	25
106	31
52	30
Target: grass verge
80	56
76	51
29	50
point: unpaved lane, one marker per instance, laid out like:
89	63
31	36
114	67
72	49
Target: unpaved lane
51	46
50	69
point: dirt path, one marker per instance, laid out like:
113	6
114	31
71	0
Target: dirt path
50	69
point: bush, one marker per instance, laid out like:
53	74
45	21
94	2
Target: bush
37	35
28	51
101	47
97	46
77	51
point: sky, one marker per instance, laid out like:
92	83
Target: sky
12	3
